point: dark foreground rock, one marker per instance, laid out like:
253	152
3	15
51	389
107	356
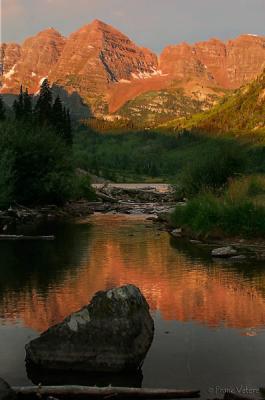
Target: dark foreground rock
112	334
6	393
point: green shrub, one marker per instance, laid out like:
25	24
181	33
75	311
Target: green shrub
82	188
256	186
200	215
36	165
213	166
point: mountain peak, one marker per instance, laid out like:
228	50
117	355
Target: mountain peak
98	23
49	32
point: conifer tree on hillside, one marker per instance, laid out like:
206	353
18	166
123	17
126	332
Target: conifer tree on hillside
20	102
18	105
45	112
27	106
16	109
57	116
2	110
68	135
61	121
22	107
43	109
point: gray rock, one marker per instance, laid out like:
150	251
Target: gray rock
176	232
111	334
224	252
6	393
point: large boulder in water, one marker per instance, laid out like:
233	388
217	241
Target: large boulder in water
112	334
6	393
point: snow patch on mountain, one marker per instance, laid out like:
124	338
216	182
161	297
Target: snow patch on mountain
124	81
146	75
42	80
10	73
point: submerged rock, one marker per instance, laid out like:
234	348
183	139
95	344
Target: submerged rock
6	393
111	334
224	252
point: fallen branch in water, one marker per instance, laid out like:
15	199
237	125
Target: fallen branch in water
105	197
103	392
22	237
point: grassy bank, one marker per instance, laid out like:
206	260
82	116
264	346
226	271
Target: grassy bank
225	188
239	210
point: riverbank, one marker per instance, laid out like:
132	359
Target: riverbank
235	249
17	217
125	199
154	201
247	249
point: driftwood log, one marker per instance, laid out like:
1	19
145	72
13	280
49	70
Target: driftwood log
104	392
23	237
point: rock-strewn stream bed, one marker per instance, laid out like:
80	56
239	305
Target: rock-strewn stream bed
130	199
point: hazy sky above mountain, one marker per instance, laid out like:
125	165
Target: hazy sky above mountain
151	23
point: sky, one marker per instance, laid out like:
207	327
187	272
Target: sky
150	23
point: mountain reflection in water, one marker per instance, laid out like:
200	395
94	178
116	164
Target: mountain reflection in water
209	317
41	283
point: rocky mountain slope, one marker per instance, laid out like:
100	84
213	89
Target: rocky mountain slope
31	62
156	107
244	110
226	65
108	71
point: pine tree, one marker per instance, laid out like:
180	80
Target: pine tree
68	135
27	106
16	109
58	116
61	121
23	106
18	105
2	110
43	109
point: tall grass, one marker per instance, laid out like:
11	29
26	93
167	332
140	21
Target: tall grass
239	211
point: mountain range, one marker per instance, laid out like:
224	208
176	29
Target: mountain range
115	78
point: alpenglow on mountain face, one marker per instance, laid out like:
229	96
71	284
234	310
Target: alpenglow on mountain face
107	69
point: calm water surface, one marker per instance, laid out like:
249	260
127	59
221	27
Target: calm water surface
209	316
